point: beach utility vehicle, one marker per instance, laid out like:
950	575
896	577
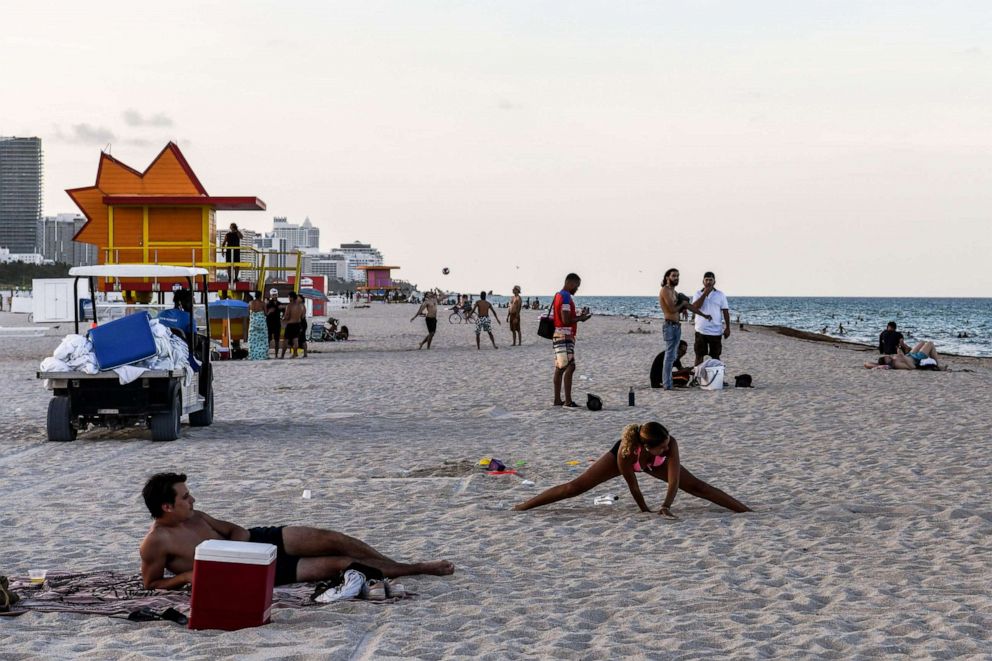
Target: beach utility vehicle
157	398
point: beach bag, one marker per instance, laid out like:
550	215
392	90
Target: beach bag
546	323
742	381
711	378
594	402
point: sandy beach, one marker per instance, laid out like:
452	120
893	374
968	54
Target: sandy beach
871	536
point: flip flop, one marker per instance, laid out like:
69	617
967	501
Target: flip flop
172	615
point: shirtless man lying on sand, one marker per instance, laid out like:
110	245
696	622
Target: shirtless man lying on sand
304	554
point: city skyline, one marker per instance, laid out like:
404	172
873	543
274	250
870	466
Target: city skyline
828	149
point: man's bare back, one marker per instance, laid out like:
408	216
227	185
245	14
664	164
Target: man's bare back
483	307
293	314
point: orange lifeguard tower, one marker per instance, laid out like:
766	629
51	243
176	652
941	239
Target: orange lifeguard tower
378	279
163	215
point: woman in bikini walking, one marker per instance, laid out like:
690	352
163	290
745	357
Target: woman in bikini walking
646	448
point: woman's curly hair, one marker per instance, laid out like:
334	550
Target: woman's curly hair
631	436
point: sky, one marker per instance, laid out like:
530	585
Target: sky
794	148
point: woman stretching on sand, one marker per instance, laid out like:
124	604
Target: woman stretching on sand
644	448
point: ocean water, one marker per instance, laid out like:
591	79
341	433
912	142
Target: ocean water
940	320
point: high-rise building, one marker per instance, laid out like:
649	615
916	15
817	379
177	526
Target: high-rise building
20	193
272	245
327	265
304	237
358	254
54	240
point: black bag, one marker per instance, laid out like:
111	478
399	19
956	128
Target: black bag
594	403
742	381
546	324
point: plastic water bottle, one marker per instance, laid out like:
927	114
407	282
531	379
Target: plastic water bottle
630	397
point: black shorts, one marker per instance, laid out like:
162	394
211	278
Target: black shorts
431	324
233	254
274	330
292	331
285	563
708	345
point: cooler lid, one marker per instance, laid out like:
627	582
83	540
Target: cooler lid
245	553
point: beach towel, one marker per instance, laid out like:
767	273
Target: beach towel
116	594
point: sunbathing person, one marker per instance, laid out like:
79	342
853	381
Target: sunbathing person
303	553
644	448
923	355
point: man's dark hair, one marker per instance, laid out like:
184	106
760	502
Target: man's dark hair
482	295
664	279
159	490
891	325
683	343
709	274
572	277
292	295
183	298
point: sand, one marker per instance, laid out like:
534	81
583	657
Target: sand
872	535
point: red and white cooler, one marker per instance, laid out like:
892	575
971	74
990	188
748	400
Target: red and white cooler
232	585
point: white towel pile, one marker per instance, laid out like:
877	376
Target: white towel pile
75	354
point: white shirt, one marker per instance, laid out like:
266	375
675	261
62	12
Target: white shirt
714	305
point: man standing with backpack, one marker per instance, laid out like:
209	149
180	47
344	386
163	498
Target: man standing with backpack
566	323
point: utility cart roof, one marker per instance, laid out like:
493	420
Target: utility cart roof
137	271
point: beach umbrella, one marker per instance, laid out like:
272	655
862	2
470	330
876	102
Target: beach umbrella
228	308
306	292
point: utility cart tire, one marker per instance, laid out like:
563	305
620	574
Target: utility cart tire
205	416
165	426
60	427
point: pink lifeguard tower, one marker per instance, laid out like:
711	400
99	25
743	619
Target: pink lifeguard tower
378	282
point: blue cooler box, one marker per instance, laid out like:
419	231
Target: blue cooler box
123	341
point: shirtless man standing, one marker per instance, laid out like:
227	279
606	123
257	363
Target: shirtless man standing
672	308
482	322
429	309
292	323
513	317
303	553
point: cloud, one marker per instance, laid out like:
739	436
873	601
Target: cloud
137	142
134	118
85	134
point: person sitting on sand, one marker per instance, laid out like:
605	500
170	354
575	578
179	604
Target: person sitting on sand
303	553
890	341
644	448
681	375
923	355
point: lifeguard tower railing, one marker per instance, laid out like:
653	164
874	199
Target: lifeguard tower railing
173	254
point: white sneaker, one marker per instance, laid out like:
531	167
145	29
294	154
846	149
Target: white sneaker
394	590
350	588
373	590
